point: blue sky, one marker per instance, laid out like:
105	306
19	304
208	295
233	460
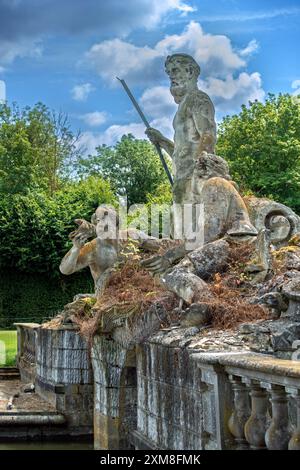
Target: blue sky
66	53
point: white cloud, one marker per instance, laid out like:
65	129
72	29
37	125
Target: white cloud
24	23
10	50
181	6
161	8
230	93
164	124
252	47
90	140
249	16
144	65
2	91
81	92
117	58
158	102
227	94
94	119
214	52
113	133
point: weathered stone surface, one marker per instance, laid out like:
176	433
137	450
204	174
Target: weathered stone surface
224	210
210	258
115	393
209	165
260	263
195	315
170	395
283	339
186	285
273	300
64	375
288	257
138	328
274	337
278	218
101	255
291	290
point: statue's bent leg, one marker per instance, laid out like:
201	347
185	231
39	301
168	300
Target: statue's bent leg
183	281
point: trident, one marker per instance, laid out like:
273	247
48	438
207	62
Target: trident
143	117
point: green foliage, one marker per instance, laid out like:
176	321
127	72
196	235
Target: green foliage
36	149
132	166
9	338
162	195
262	147
35	297
34	228
154	217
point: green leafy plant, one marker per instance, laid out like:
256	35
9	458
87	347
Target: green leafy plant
262	147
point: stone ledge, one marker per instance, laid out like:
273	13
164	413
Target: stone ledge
251	361
28	325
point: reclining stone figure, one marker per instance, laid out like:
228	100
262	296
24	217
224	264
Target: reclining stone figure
104	250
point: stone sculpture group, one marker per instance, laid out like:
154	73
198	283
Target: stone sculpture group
201	179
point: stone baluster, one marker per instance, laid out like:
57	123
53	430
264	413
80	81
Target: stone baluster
279	431
294	443
257	424
241	411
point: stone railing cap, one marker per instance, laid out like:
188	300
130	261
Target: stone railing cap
251	361
28	325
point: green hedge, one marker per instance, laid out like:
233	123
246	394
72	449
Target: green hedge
36	297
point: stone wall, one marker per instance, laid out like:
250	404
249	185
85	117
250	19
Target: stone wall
170	405
153	396
63	373
115	402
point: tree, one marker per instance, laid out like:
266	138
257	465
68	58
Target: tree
132	167
36	148
262	147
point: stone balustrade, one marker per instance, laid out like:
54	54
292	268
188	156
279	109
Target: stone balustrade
265	405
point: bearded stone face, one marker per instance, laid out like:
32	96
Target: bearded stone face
182	78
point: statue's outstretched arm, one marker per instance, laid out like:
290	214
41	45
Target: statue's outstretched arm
156	137
78	257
